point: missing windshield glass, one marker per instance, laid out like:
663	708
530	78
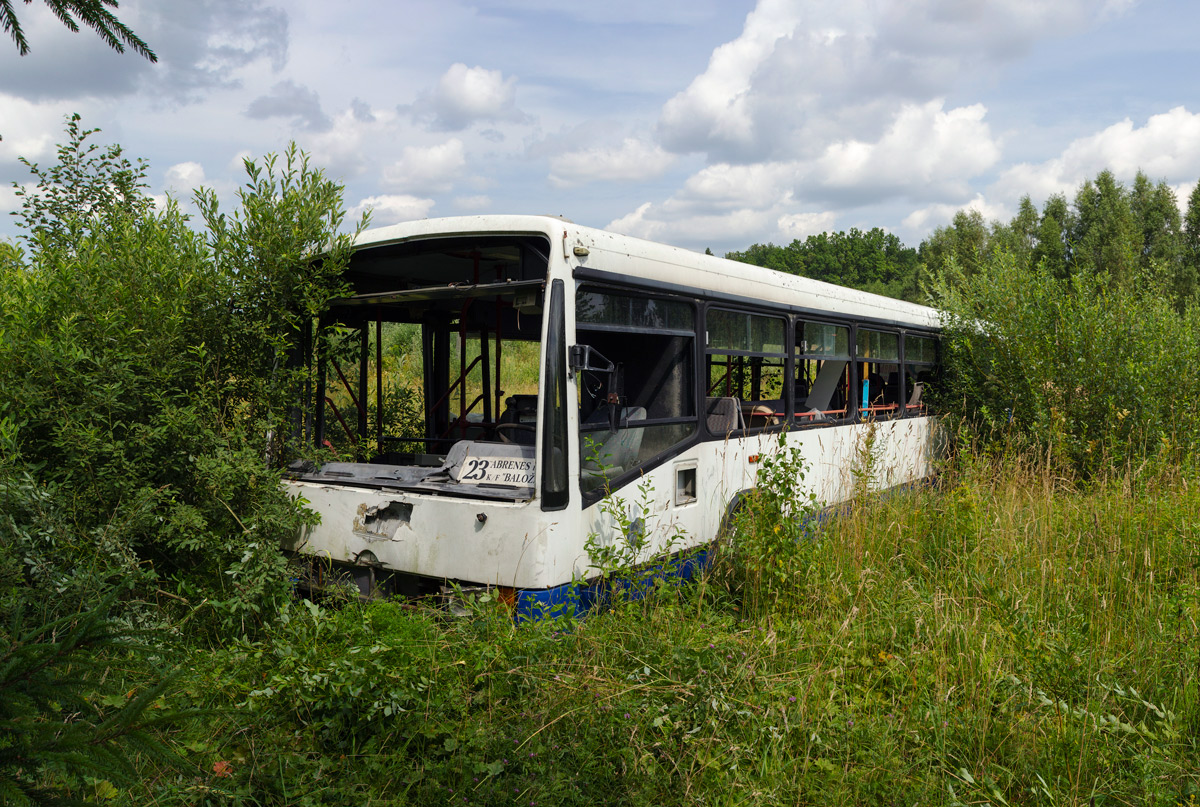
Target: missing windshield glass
439	343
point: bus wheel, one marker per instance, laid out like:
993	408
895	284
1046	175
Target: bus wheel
733	520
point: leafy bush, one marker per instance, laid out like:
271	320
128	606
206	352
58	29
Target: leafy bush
762	557
1092	375
147	379
147	376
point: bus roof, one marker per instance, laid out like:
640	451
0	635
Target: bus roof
616	257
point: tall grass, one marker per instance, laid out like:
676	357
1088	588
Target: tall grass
1004	639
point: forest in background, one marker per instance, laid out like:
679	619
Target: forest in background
1024	633
1131	234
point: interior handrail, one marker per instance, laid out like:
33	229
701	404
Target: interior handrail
462	377
337	414
349	389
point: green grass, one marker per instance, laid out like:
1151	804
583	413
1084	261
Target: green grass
1001	640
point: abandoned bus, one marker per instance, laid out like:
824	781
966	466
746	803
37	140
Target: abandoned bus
498	390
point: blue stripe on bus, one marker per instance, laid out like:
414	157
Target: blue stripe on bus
578	598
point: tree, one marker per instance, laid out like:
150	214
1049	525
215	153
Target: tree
1156	212
1106	237
65	712
875	261
94	14
781	259
965	240
1052	243
1018	237
1189	275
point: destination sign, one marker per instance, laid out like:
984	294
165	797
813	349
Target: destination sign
515	471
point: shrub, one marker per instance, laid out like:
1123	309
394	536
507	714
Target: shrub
1092	375
146	376
763	555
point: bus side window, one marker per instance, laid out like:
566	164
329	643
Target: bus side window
822	380
879	374
746	361
920	365
646	403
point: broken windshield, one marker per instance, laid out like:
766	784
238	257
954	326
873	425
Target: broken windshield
439	345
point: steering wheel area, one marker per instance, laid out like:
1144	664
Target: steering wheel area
507	432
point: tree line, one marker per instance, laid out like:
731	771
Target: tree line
1127	234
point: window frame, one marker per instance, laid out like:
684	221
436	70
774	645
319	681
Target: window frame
555	476
591	496
849	412
922	408
786	397
868	411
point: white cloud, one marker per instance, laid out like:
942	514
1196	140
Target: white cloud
9	200
724	186
183	178
427	169
936	215
715	107
1183	193
391	209
637	223
1167	147
1169	144
801	76
467	95
798	226
927	153
355	140
663	223
634	159
927	150
28	128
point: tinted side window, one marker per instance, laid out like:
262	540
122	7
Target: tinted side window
648	396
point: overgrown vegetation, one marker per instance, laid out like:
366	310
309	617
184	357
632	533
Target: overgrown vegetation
144	365
1096	376
1024	633
999	640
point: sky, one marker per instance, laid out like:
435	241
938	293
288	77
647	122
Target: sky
700	123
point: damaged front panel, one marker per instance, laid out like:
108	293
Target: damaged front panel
424	389
380	522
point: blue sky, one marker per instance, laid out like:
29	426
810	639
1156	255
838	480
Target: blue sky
701	123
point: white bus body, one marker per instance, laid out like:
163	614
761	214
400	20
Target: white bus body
663	376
